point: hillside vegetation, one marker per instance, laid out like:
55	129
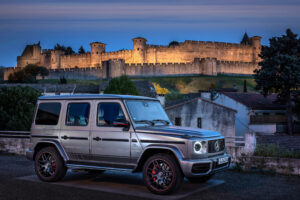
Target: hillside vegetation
184	85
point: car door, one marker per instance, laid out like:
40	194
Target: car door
110	144
75	129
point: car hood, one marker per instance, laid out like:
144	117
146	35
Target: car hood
178	131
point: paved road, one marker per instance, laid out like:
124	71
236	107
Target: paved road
238	186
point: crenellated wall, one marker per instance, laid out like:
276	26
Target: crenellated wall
77	60
118	67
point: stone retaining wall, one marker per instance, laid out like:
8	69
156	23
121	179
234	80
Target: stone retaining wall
14	145
287	166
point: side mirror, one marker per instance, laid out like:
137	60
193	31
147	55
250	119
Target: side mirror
122	123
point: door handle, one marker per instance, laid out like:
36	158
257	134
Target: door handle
97	139
64	137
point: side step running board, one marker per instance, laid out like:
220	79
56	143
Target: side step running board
77	166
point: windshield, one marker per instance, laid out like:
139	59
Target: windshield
147	112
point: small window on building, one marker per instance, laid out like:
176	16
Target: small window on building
177	121
78	114
199	122
138	48
97	52
47	114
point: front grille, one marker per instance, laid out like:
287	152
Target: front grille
213	145
201	168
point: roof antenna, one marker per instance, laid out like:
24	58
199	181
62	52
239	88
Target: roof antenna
74	89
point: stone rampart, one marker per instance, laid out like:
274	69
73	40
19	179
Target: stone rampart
118	67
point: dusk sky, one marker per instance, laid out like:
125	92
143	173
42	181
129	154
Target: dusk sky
75	23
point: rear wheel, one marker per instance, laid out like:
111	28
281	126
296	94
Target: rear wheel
162	174
49	165
201	179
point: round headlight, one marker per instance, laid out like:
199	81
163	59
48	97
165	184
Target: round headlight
197	147
200	147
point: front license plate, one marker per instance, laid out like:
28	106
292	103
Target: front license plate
222	160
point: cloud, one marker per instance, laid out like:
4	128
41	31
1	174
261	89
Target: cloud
90	15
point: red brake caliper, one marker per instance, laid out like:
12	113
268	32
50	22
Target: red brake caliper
154	172
54	166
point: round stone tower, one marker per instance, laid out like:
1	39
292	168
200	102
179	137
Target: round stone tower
255	41
96	49
139	49
55	56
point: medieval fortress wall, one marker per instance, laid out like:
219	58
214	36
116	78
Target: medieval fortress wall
189	57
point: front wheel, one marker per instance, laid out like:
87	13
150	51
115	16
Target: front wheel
49	165
162	175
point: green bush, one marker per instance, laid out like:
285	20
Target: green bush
273	150
17	107
122	85
173	95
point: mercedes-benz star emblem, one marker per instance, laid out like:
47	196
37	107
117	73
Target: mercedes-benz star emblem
217	146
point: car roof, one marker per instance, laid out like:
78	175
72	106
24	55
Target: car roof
93	96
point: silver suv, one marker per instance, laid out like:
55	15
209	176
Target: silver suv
124	133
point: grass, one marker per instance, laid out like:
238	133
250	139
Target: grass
183	85
273	150
193	84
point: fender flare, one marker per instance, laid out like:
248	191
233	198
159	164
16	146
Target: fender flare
57	145
178	154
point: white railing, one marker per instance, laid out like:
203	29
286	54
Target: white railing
15	134
235	141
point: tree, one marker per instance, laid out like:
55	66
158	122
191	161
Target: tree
245	86
68	50
280	71
17	107
173	43
28	74
43	71
1	73
122	85
60	47
81	50
159	89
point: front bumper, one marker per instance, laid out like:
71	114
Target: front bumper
29	154
201	167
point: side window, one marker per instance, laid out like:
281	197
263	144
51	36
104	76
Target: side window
108	113
78	114
199	122
47	114
177	121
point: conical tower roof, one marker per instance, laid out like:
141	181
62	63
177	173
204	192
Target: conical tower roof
245	39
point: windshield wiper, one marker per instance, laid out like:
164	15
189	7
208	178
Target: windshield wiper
145	121
162	120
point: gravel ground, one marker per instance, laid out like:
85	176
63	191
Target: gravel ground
237	185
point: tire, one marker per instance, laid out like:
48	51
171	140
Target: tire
162	174
49	165
201	179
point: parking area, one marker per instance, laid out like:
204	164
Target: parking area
17	181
